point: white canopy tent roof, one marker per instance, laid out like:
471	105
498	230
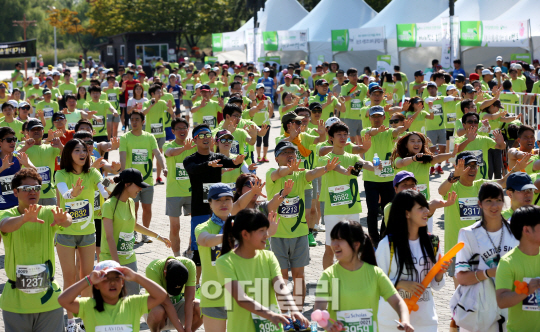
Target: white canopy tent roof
331	15
276	15
396	12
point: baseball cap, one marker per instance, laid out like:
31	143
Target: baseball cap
205	87
315	106
517	66
13	103
288	76
431	84
222	133
403	175
225	66
172	75
108	266
474	77
418	73
266	69
33	123
376	110
56	73
176	276
486	72
460	78
450	87
58	116
50	67
499	58
207	66
519	181
35	80
22	103
321	82
498	104
48	78
468	157
331	121
259	85
282	146
302	62
467	88
218	190
198	85
291	116
46	92
374	87
132	175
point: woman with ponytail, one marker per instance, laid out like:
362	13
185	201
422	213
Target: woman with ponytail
406	254
119	222
356	282
249	262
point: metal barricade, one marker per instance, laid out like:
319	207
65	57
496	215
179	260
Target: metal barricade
522	103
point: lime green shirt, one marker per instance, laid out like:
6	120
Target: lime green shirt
16	125
307	141
353	106
451	113
519	85
421	173
327	111
412	92
154	272
113	96
155	118
48	108
189	85
66	89
178	184
99	122
139	150
419	123
44	158
480	147
382	144
31	91
207	114
437	109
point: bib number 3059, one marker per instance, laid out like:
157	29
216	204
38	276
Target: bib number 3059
360	320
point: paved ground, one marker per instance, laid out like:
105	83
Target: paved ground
160	223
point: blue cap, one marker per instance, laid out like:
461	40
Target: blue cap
519	181
403	175
218	190
376	110
418	73
372	84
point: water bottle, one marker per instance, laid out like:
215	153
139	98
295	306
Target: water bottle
376	163
314	326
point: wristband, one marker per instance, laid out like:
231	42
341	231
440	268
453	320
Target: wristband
88	281
486	274
281	193
476	276
157	236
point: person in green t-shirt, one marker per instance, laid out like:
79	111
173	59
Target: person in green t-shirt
417	84
518	85
30	296
261	112
521	264
206	109
9	121
248	262
83	81
188	83
49	84
48	107
354	93
103	107
138	148
526	139
361	283
177	276
17	77
327	99
33	91
110	309
67	87
178	189
520	188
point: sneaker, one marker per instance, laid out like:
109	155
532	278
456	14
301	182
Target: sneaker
124	129
319	228
259	160
81	327
298	326
311	240
289	327
146	239
188	254
440	170
136	236
159	181
432	170
264	160
73	327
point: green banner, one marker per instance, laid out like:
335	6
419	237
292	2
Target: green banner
471	33
271	59
384	63
340	40
210	59
270	40
217	42
406	35
526	57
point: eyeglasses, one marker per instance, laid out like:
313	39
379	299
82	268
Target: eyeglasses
394	121
472	166
27	188
472	122
10	139
298	122
237	116
203	136
225	140
89	142
182	128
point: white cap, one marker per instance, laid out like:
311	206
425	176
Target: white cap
57	73
23	103
450	87
266	69
198	85
331	121
497	69
207	66
108	266
13	103
499	58
35	80
172	75
486	72
518	66
59	67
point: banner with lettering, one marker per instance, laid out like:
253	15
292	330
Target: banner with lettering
419	34
495	33
228	41
364	39
25	48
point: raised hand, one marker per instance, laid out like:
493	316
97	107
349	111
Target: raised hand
264	129
253	167
251	130
115	166
239	159
382	129
407	123
98	163
77	188
257	188
451	198
97	277
189	144
31	214
321	129
523	162
331	164
129	274
56	143
471	133
274	223
366	142
5	163
498	137
293	166
460	168
261	105
115	143
28	142
288	187
59	215
23	159
232	127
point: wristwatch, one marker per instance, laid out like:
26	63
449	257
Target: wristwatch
452	178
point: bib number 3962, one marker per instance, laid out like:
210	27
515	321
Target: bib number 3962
360	320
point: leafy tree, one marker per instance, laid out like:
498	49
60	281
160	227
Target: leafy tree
68	22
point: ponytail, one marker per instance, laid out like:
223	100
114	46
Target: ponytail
246	220
351	232
228	239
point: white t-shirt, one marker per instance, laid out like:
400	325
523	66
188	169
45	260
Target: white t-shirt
423	320
133	101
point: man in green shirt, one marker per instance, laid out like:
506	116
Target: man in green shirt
67	87
9	121
188	83
17	77
522	265
487	76
83	81
518	85
34	92
520	188
354	93
206	110
404	78
29	301
102	107
417	84
48	107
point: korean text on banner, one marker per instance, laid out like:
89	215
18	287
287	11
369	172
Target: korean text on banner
296	40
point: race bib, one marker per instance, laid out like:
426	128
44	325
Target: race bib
181	173
437	110
290	207
469	209
67	92
267	89
97	201
215	252
423	189
126	241
360	320
479	156
48	112
206	188
79	210
98	121
340	195
145	94
175	94
112	97
387	169
451	118
235	147
32	279
19	84
530	303
71	126
139	156
5	183
45	174
189	87
130	93
263	324
356	104
115	328
210	121
156	128
216	94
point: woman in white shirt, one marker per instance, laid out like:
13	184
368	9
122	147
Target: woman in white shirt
488	240
406	254
138	98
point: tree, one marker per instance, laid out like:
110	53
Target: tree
67	22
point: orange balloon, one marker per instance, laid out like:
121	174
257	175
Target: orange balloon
521	287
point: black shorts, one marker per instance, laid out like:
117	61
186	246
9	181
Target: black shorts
98	232
100	139
448	134
196	258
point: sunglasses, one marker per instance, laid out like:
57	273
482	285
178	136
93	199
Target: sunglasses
89	142
472	122
393	121
25	108
316	111
10	139
27	188
472	166
248	184
59	119
225	140
203	136
298	122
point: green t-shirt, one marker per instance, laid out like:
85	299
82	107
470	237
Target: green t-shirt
329	77
155	118
382	144
48	108
139	151
437	109
328	111
55	92
419	123
72	119
189	85
357	291
31	91
451	114
412	92
307	141
84	83
100	124
519	85
208	257
507	214
81	208
44	158
507	98
386	212
178	184
292	209
293	88
263	267
535	88
207	114
441	91
421	173
19	81
306	74
216	85
123	216
154	272
204	78
282	113
16	125
516	265
343	192
124	316
353	106
463	213
66	89
480	147
113	96
32	244
262	117
364	114
82	104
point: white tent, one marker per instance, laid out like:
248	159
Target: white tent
276	15
326	16
465	10
396	12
